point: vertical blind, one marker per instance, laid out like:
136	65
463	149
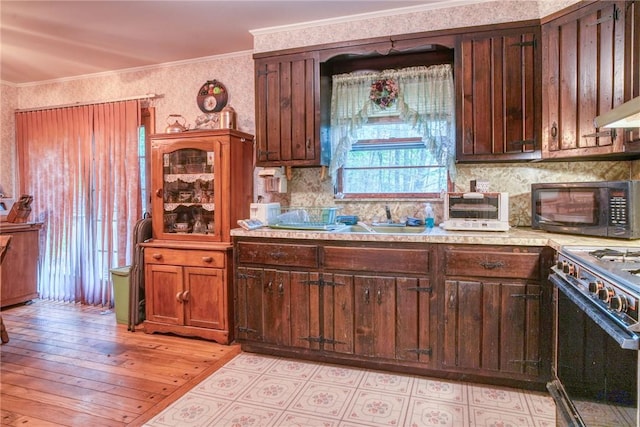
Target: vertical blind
81	166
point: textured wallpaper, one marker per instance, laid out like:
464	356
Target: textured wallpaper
178	84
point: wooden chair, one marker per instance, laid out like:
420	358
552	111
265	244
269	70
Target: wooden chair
4	244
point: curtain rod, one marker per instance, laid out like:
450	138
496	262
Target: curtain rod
80	104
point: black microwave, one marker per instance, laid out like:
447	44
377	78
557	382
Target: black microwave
606	209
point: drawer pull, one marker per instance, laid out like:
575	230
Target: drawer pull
179	297
277	255
157	256
366	295
207	259
185	296
492	265
379	296
270	287
281	289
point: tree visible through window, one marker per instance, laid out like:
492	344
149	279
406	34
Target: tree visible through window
397	142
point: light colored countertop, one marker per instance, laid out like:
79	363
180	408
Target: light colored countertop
515	236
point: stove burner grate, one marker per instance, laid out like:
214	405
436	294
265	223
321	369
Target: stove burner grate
616	255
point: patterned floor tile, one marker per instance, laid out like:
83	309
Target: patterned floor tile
427	413
191	410
501	398
383	381
334	374
293	369
246	415
481	417
377	408
254	390
447	391
251	362
597	414
272	391
323	399
226	383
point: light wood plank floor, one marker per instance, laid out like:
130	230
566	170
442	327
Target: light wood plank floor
72	365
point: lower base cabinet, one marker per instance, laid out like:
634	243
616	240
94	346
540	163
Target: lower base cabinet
394	306
187	292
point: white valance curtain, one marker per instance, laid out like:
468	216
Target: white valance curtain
425	99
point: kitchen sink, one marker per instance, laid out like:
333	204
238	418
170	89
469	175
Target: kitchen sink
380	229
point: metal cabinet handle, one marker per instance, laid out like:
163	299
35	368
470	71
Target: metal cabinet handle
379	296
554	130
276	255
492	265
270	287
281	289
366	295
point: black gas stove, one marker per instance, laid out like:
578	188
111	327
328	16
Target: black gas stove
597	336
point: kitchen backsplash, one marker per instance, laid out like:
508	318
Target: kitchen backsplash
306	188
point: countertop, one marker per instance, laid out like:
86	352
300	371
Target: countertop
515	236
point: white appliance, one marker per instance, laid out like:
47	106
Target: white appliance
266	213
476	211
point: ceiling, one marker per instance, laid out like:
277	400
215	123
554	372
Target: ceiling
48	40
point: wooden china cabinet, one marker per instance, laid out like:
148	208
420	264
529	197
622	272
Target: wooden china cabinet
201	185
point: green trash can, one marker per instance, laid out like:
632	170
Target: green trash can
120	279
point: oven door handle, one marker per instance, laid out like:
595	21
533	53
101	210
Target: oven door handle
626	339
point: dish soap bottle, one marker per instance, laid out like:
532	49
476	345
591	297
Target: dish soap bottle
429	218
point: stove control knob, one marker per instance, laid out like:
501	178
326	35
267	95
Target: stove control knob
560	264
618	303
594	287
605	294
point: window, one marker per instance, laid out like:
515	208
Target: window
389	159
393	133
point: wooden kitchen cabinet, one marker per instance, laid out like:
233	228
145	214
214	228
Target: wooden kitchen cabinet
498	95
496	312
202	184
187	292
353	303
19	268
584	76
287	110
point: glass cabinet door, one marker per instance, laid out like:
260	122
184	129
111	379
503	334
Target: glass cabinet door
188	192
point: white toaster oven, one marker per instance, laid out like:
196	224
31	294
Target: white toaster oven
476	211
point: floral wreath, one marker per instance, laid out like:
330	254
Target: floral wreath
384	92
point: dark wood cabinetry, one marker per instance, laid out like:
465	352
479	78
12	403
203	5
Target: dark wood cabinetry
498	95
450	310
496	312
287	110
584	75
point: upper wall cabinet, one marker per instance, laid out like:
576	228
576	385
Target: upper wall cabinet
584	76
498	93
287	110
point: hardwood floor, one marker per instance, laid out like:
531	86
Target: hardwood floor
72	365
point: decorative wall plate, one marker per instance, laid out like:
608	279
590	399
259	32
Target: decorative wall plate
212	97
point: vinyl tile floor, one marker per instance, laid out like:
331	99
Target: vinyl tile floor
256	390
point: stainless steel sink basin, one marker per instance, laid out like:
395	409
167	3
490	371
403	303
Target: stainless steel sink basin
380	229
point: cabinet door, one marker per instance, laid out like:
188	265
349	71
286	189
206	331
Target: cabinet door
19	268
287	110
205	298
375	316
248	289
492	327
337	313
415	335
164	294
499	96
583	77
276	297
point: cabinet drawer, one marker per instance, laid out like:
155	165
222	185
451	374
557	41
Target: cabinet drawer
278	254
377	259
478	263
189	258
